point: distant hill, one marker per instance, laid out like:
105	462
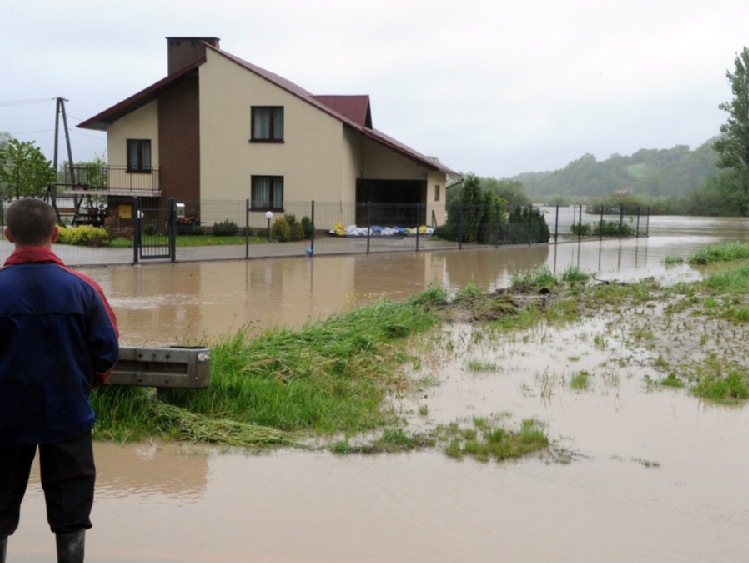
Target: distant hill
677	171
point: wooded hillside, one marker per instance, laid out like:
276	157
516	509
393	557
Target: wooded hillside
677	171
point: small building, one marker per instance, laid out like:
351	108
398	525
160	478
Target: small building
217	127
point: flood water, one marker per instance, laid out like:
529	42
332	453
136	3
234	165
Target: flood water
657	475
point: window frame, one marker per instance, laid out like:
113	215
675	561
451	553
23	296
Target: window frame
273	189
139	166
275	115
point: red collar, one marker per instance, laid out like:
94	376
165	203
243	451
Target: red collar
33	255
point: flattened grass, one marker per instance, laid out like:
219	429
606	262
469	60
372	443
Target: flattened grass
329	376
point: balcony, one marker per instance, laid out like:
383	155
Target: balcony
108	181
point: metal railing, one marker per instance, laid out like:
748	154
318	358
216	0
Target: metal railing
108	180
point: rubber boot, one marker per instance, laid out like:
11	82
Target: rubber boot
3	549
70	547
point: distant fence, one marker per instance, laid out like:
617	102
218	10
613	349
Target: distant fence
340	228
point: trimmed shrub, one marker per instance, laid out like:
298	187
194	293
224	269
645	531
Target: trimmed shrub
84	236
280	231
225	229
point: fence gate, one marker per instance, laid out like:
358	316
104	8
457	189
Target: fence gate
155	229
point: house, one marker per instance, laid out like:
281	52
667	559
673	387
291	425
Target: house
219	128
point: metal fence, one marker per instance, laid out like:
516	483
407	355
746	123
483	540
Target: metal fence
340	228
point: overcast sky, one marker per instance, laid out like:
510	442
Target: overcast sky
493	87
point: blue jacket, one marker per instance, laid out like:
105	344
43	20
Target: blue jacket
58	340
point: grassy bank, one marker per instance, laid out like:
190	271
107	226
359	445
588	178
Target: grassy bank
332	379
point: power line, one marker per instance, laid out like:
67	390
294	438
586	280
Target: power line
26	102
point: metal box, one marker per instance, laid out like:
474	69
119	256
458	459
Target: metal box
178	368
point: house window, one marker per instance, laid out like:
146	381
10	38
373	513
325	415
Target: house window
267	124
138	155
267	193
436	192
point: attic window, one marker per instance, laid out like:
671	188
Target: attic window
267	124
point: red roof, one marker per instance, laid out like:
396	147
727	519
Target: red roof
356	108
352	111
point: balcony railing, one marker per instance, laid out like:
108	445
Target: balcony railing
109	180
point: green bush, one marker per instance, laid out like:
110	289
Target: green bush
225	229
580	229
280	231
307	227
84	236
149	229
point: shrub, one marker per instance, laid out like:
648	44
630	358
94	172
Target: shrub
307	227
149	229
225	229
580	229
84	236
280	231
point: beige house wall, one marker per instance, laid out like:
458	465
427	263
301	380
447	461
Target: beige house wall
311	157
139	124
436	214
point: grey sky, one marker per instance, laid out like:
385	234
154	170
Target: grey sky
493	87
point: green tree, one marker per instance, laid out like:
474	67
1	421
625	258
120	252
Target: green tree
733	144
24	171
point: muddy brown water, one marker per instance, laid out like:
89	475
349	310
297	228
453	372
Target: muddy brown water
656	476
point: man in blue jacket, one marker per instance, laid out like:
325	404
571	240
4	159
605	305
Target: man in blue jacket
58	340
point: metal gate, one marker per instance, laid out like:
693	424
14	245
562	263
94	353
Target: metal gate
155	230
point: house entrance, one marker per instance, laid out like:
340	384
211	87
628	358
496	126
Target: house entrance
399	203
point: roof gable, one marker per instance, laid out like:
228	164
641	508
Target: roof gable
352	111
356	108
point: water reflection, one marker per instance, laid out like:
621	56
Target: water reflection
190	303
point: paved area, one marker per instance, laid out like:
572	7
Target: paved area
84	256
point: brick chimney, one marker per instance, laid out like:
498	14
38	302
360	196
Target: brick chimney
181	51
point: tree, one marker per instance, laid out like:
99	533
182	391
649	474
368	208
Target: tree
733	144
24	171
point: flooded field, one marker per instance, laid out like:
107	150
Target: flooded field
653	474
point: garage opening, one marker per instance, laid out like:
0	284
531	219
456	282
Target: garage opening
399	203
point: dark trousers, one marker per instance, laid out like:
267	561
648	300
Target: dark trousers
68	476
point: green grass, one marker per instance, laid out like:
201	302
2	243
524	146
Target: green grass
485	441
329	376
189	241
726	252
730	389
534	279
580	380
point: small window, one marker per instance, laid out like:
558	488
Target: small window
138	155
267	193
436	192
267	124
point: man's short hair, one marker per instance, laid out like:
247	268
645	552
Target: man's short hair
30	221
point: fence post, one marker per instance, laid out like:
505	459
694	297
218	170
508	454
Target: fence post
580	224
556	225
600	225
247	228
530	223
621	219
312	234
173	229
136	229
637	232
460	226
499	217
418	227
369	222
